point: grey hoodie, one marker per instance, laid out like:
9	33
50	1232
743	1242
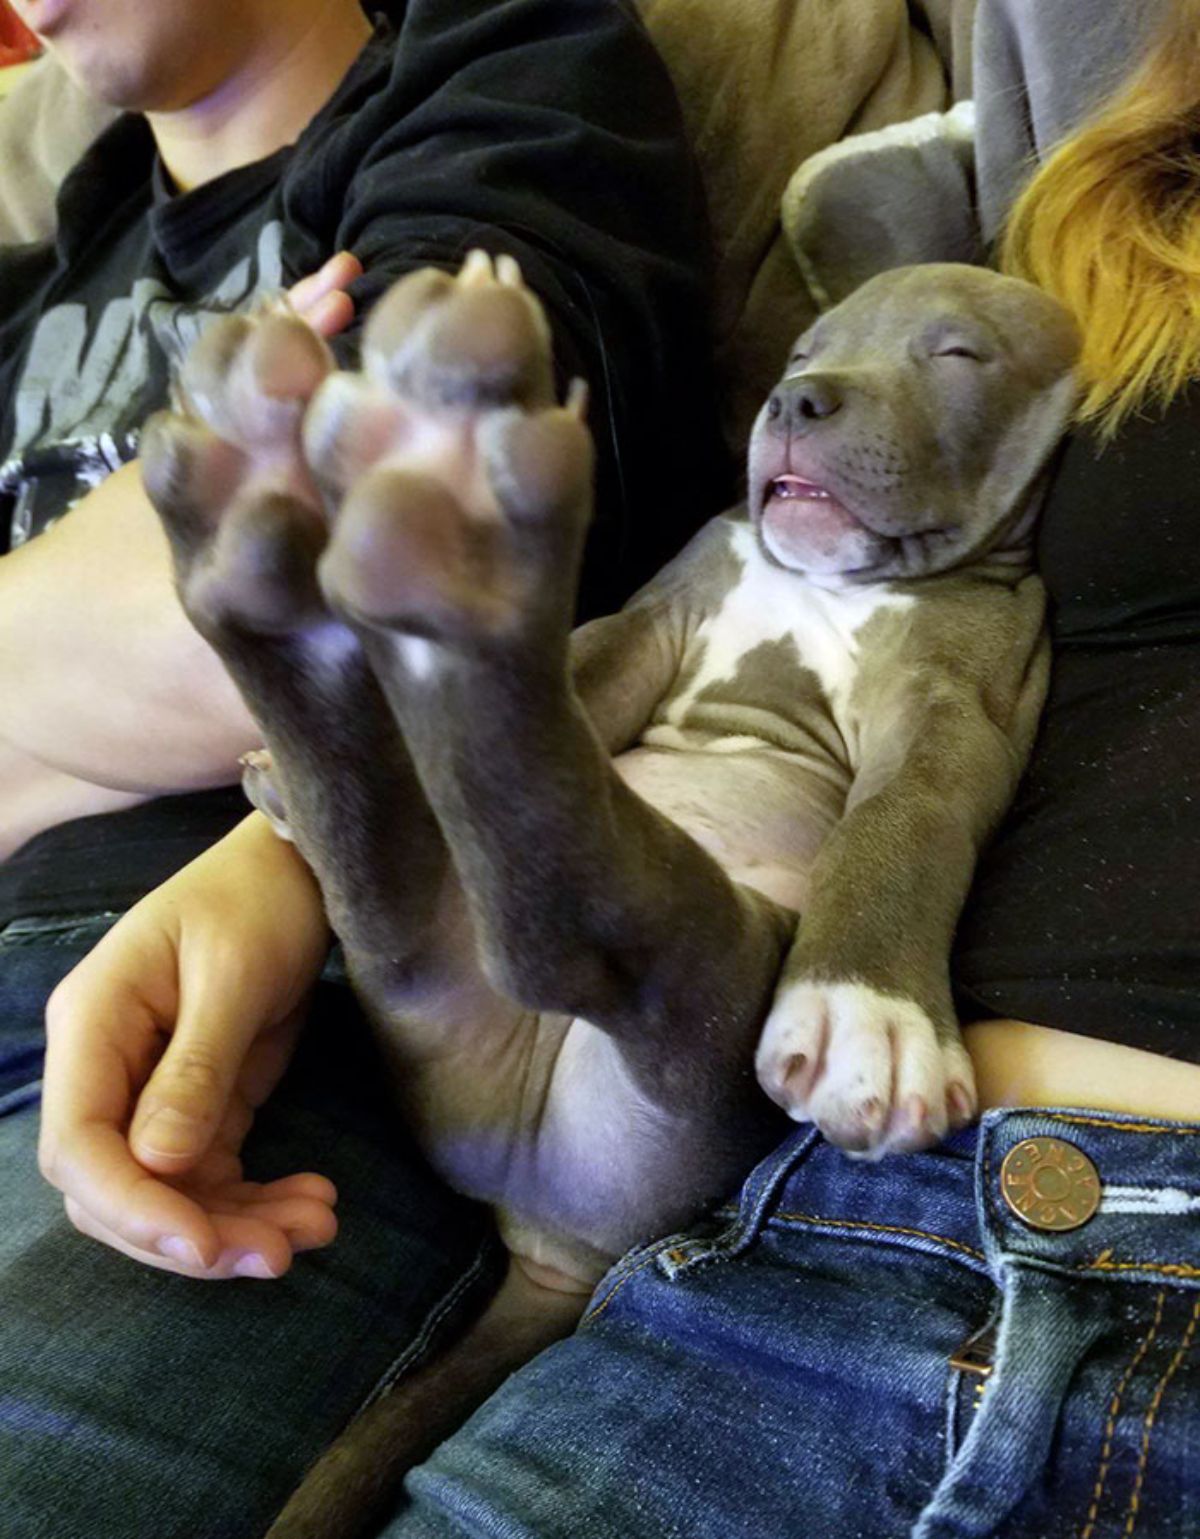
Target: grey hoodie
939	188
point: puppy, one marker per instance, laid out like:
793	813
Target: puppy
580	878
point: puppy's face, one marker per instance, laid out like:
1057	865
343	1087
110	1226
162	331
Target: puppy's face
911	425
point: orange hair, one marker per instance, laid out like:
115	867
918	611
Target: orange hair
1110	226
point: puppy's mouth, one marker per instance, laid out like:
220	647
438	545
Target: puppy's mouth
798	511
791	488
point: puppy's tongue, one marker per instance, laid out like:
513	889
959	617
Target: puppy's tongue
799	513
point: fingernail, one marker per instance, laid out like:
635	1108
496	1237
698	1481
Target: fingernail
176	1248
251	1266
168	1132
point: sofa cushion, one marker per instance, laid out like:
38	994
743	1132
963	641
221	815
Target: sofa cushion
764	84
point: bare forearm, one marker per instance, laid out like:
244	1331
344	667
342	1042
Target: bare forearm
102	677
34	797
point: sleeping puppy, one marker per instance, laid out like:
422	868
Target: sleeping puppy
580	878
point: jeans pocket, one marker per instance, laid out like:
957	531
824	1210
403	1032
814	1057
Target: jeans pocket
723	1235
734	1229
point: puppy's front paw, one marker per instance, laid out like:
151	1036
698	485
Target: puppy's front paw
870	1069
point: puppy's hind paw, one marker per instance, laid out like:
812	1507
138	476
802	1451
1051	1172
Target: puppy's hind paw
870	1069
226	473
461	491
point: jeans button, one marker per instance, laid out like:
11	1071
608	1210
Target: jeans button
1050	1184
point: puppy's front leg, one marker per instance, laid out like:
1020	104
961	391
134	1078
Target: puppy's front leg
624	665
862	1037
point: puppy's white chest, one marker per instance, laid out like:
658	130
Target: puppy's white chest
768	605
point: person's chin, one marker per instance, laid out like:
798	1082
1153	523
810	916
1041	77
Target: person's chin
103	78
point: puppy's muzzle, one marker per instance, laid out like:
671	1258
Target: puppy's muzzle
800	400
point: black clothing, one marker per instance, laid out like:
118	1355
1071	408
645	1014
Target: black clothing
1086	909
547	129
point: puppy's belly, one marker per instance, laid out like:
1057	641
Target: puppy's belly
760	812
550	1128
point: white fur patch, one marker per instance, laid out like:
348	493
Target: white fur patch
853	1059
767	604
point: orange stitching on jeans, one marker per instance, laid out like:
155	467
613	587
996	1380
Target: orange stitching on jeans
1152	1413
860	1223
1105	1263
1113	1408
1124	1127
594	1314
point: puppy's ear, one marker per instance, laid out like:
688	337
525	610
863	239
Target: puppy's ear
1015	480
895	198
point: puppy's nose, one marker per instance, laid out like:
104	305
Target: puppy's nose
808	399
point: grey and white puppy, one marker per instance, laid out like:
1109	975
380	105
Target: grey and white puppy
581	878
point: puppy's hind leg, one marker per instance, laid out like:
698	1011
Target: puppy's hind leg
245	523
347	1493
585	899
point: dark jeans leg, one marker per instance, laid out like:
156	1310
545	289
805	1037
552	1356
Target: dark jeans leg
134	1403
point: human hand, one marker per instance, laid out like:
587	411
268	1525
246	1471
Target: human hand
321	300
164	1041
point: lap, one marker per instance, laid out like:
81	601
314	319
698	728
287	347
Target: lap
136	1402
790	1367
787	1362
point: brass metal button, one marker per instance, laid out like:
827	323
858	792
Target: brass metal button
1050	1184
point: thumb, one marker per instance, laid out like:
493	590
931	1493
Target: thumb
185	1100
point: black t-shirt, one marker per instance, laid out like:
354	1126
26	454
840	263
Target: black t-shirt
542	129
1086	909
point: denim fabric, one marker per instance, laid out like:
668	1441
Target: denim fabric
787	1370
137	1404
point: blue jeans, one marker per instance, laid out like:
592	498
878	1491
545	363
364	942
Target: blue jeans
786	1371
138	1405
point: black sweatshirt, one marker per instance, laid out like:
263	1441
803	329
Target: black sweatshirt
1086	908
547	129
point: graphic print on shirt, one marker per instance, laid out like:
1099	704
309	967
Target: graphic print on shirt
86	387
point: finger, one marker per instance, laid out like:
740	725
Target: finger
330	314
306	1184
262	1067
101	1037
218	1167
81	1149
107	1189
339	272
247	1248
269	1055
307	1224
187	1098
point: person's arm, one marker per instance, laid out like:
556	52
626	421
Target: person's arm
104	677
35	797
500	128
107	694
163	1042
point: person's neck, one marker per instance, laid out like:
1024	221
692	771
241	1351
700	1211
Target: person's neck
268	103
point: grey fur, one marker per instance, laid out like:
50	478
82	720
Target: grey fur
570	959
